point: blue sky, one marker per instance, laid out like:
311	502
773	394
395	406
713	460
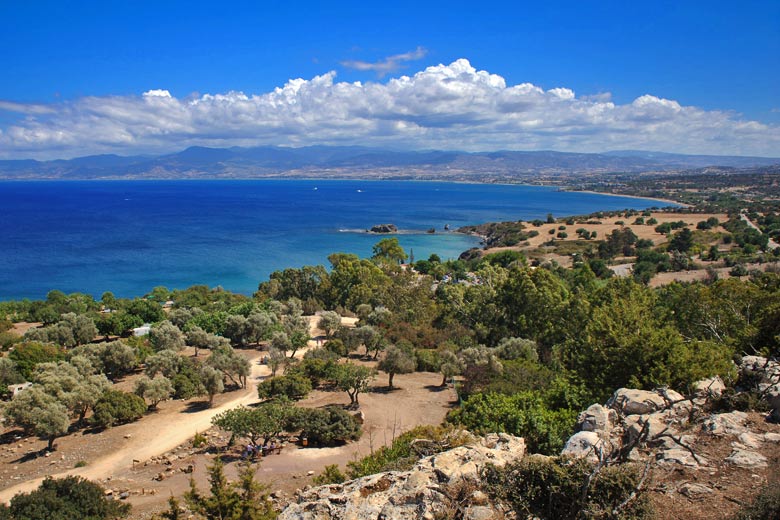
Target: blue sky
709	64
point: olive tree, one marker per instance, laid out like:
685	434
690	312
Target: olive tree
211	379
329	322
78	392
353	379
232	364
114	359
396	361
369	337
297	329
450	365
166	336
166	362
71	330
517	348
276	359
280	342
265	421
200	339
39	413
154	390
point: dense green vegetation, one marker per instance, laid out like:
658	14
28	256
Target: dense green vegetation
64	499
530	346
526	346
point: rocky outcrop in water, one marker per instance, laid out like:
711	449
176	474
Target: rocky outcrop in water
384	228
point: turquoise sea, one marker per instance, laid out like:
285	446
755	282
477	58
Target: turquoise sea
129	236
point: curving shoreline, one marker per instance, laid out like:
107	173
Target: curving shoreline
667	201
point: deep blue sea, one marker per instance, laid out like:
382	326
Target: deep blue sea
129	236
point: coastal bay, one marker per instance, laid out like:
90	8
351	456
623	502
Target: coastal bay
129	236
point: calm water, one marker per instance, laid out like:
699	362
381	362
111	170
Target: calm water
127	237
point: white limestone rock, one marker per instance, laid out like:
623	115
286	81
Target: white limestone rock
746	459
597	418
731	423
629	401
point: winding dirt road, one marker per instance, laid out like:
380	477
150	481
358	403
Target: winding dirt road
161	433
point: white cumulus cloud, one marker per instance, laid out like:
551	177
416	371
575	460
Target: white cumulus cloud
451	106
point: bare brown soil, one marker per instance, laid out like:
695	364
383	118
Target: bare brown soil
22	327
732	486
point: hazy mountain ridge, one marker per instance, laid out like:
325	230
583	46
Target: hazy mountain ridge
355	161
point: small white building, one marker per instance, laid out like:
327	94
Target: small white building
143	330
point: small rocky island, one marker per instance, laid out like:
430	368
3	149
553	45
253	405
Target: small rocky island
384	228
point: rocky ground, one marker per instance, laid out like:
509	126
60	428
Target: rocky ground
702	461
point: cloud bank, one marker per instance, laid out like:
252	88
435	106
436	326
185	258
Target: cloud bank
450	106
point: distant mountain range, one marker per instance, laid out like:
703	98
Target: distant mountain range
362	162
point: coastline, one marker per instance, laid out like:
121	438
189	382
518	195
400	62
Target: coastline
667	201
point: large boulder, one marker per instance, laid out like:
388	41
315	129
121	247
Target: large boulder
585	445
597	418
679	456
629	401
653	425
412	494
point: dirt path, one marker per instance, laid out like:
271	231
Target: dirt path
160	434
164	432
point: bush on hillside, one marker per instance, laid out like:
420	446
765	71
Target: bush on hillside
118	407
64	499
326	426
562	489
292	386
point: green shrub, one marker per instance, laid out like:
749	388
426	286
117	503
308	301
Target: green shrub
426	360
30	353
316	369
326	426
292	386
523	414
8	340
187	382
199	440
118	407
330	475
408	448
64	499
555	488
